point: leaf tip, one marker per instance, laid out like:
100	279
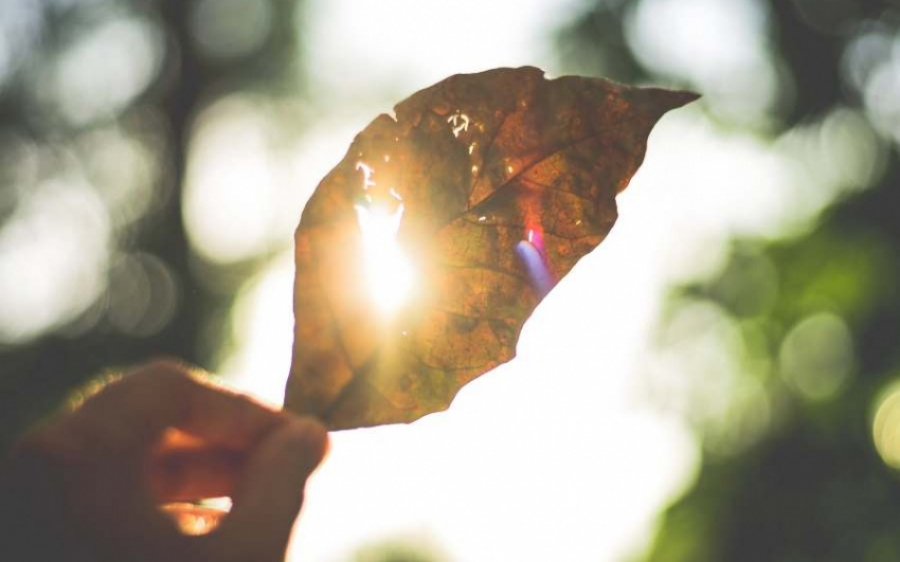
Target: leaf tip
686	97
673	99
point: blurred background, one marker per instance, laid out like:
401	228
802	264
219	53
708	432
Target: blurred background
720	380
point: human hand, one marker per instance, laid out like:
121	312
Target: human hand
88	486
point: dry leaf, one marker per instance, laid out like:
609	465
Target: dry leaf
422	253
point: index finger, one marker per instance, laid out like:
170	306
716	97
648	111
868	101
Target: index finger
137	410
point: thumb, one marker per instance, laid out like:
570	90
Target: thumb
269	496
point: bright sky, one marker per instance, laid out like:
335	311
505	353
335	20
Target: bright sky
552	456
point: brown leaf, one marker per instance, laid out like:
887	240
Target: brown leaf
496	183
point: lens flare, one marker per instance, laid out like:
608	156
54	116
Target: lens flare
531	252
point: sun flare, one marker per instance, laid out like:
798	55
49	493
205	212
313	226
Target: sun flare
390	276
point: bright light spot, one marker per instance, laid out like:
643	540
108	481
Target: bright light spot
817	356
367	175
106	69
768	191
232	190
459	122
124	169
53	254
833	158
886	425
370	41
864	53
389	275
697	370
881	99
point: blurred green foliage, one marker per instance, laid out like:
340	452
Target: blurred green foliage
814	487
816	313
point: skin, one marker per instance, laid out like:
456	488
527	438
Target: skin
87	485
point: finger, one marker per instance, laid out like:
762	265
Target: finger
188	475
166	394
269	496
182	467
